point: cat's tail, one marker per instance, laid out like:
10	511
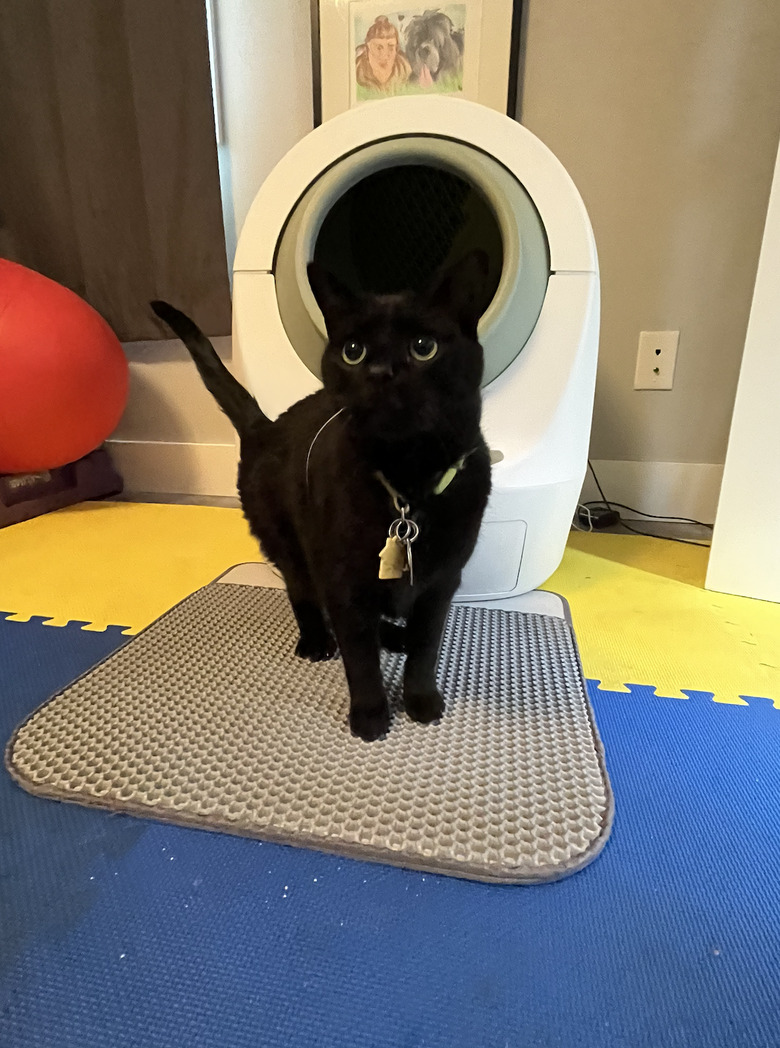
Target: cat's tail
240	406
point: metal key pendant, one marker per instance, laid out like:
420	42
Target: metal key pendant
392	560
405	531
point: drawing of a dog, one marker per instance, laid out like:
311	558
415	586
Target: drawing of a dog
434	47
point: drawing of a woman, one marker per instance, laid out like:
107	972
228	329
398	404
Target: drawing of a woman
380	64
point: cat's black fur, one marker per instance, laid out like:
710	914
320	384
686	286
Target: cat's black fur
407	419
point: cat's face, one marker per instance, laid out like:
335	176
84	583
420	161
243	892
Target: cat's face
401	363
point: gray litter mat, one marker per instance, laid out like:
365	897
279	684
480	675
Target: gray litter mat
207	719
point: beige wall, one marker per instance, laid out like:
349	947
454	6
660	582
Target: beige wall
667	116
167	399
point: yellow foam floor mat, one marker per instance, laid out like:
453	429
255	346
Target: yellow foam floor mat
639	605
120	563
643	617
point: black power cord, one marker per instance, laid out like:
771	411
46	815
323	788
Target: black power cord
601	490
599	515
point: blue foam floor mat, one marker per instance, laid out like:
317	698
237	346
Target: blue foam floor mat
122	932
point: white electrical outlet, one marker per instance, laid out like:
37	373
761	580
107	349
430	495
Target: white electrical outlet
656	359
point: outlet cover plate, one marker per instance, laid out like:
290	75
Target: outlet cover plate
656	359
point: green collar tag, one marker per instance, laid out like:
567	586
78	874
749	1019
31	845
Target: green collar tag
446	480
449	475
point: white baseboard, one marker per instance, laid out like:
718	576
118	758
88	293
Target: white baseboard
670	489
681	489
176	469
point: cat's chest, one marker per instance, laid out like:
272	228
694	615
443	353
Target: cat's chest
351	511
437	530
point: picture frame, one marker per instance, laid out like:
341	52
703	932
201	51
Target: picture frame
365	50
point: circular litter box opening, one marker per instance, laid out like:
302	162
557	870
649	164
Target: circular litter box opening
395	229
387	217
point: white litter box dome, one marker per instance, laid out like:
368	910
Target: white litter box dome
385	194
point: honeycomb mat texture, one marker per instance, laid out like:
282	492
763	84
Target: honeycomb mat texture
207	719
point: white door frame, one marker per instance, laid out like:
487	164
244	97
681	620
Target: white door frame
745	555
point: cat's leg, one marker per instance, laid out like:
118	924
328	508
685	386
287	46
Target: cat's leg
316	642
357	631
424	627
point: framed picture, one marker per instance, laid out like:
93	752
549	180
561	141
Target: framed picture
365	50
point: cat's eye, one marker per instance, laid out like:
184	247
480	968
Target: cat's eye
424	347
353	352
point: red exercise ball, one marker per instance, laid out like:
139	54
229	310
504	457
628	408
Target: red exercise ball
63	374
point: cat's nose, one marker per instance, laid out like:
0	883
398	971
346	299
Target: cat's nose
383	370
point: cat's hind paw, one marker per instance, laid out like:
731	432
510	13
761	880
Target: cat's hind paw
392	636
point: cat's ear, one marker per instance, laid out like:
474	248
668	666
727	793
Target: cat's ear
462	290
334	299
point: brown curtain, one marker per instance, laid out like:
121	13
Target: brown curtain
109	181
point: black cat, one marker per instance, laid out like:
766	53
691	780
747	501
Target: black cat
394	435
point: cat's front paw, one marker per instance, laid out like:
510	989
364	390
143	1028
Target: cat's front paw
317	648
369	724
425	706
